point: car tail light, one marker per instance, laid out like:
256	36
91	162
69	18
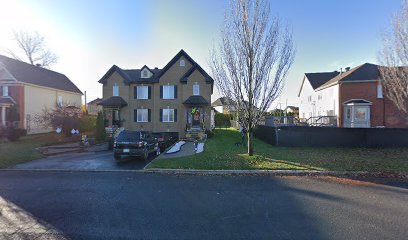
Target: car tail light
161	139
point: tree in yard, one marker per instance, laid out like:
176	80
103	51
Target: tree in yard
394	58
252	61
100	134
32	49
65	117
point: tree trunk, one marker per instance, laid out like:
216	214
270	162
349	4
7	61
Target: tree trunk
250	147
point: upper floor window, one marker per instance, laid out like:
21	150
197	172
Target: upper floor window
379	90
309	98
59	101
196	89
319	97
142	92
115	90
169	91
5	91
182	63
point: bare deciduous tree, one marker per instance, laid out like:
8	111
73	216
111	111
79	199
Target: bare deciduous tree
32	47
252	61
394	58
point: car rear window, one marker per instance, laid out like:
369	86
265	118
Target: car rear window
127	136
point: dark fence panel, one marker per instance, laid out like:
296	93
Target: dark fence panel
333	137
266	134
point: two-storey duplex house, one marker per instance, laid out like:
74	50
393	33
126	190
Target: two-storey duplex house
354	97
174	99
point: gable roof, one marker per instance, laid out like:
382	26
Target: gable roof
318	79
222	101
28	73
366	71
95	101
194	66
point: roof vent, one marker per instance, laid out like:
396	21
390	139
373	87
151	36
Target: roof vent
347	69
156	68
38	65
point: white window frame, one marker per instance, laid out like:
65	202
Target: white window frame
144	90
5	91
168	91
144	115
145	73
196	89
182	63
59	101
379	90
115	90
169	112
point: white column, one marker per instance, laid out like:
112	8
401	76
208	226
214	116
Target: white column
3	115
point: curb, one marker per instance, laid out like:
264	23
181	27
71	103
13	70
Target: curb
273	173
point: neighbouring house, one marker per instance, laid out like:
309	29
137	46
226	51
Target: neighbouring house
93	107
352	99
222	105
29	89
174	99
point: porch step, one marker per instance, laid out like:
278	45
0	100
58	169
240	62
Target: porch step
194	134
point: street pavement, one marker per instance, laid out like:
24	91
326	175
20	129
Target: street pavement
102	160
136	205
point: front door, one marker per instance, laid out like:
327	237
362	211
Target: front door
196	119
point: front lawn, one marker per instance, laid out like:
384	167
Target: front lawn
12	153
221	153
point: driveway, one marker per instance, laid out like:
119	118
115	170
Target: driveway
87	161
134	205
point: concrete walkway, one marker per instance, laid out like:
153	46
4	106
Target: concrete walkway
186	150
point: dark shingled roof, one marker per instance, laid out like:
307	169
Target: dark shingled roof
7	100
366	71
134	75
95	101
196	101
114	101
32	74
222	101
318	79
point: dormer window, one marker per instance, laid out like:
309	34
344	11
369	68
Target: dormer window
145	73
182	63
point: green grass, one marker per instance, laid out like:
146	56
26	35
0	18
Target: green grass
12	153
221	153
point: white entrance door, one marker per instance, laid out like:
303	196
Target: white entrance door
357	116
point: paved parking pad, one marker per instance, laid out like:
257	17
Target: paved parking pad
84	161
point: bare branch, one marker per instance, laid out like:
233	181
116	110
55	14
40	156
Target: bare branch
33	48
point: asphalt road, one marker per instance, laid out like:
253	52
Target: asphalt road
102	160
131	205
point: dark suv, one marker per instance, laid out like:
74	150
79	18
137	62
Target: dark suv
133	144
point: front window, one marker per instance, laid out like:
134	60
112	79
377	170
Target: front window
5	91
196	89
360	113
168	115
115	90
168	92
142	92
142	115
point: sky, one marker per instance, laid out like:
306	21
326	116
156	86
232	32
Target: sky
90	36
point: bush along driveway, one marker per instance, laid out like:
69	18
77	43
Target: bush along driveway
221	153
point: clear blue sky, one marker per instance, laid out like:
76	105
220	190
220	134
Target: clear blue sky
91	36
